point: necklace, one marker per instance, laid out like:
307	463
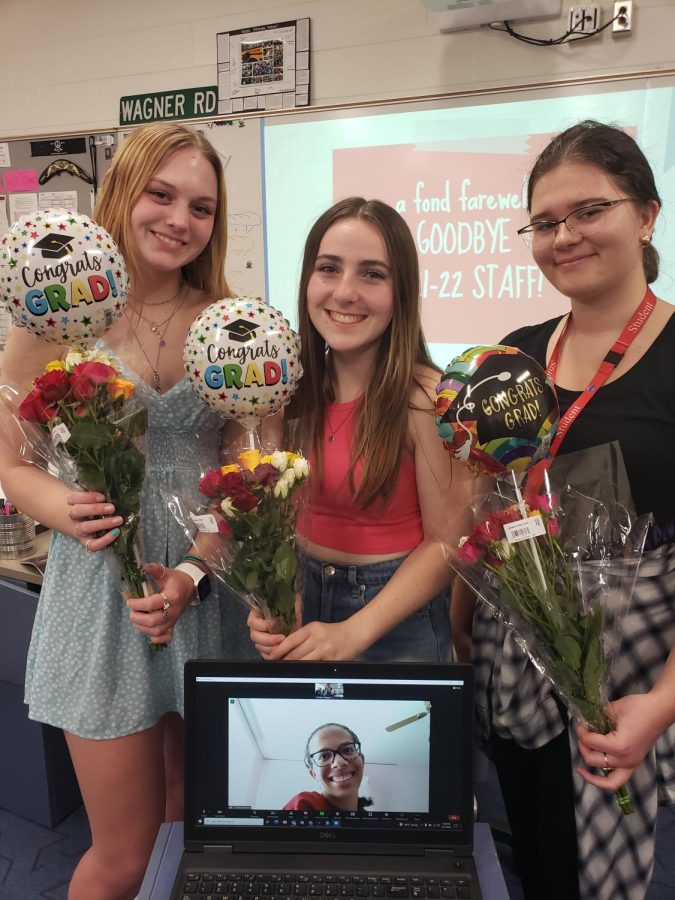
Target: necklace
333	431
159	329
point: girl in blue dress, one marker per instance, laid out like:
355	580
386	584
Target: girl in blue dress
90	670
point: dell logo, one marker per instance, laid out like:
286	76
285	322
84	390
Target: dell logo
326	835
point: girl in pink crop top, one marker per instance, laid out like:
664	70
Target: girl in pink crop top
383	495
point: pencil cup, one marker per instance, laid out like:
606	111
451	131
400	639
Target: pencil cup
17	536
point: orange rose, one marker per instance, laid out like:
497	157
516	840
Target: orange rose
120	387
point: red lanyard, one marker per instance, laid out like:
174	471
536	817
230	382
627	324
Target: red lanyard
607	366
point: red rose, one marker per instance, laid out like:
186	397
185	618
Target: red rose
53	386
469	553
34	409
230	482
210	483
96	372
265	474
223	527
244	500
83	388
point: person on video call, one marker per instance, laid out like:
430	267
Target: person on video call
333	757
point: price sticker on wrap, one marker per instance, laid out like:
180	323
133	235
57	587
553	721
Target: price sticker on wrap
205	523
522	529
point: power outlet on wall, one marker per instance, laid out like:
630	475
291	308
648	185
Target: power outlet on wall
623	17
583	19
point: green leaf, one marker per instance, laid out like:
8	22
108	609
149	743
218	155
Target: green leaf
569	650
285	562
251	580
89	436
593	670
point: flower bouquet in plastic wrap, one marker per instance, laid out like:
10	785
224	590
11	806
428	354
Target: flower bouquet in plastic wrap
82	421
247	521
555	547
242	358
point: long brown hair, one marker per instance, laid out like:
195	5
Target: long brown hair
382	425
132	168
617	154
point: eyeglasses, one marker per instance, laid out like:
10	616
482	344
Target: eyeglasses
583	221
346	751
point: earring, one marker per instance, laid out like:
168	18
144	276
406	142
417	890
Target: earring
646	240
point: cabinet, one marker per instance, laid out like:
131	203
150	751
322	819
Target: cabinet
37	780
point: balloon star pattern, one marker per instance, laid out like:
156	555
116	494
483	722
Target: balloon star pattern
242	358
62	276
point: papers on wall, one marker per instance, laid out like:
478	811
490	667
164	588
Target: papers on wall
22	205
61	199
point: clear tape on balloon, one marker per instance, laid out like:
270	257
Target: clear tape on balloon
62	276
557	566
244	528
84	423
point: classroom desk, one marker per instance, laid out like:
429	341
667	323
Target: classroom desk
163	864
17	570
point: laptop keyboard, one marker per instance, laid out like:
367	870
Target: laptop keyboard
262	886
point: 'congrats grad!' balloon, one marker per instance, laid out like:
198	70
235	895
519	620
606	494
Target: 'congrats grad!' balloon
496	410
62	276
242	358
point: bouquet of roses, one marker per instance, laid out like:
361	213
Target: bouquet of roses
86	424
559	571
252	505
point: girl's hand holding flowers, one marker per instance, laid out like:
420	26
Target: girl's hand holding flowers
157	614
95	525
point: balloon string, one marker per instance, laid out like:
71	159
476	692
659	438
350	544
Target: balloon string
532	542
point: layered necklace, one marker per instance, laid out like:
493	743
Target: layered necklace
159	329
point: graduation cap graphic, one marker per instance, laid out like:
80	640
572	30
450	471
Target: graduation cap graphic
55	246
241	331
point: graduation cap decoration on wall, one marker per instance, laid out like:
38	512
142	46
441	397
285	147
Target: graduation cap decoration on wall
57	166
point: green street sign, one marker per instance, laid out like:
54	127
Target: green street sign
189	103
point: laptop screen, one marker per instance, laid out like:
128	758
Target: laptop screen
343	752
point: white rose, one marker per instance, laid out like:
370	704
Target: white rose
73	358
281	489
289	477
301	468
228	507
279	460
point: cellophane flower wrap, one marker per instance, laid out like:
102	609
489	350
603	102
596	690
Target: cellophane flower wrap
252	505
90	424
558	568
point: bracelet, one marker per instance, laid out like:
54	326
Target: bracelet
198	561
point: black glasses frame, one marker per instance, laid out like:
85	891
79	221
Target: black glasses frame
528	231
355	744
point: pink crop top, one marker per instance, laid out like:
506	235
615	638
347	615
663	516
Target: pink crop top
331	518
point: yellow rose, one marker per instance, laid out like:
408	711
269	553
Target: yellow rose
225	470
250	459
267	459
120	387
55	366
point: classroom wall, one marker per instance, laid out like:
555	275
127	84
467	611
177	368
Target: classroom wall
64	67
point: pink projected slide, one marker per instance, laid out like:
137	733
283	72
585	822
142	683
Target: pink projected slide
463	207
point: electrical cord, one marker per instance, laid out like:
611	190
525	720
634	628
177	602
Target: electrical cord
568	38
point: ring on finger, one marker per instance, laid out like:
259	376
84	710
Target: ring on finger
80	534
163	570
72	517
606	769
165	608
86	545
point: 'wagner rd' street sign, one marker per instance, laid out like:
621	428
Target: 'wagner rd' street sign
189	103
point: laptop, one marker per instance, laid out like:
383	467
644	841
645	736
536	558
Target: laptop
336	780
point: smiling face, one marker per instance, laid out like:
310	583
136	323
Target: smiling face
597	265
173	219
340	780
349	294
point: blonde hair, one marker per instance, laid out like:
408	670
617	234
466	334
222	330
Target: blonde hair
133	166
382	424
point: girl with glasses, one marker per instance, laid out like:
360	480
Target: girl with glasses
594	205
333	758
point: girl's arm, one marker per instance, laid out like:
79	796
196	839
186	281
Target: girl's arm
444	490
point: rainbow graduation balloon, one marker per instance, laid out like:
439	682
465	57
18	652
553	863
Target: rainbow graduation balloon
242	358
62	276
496	410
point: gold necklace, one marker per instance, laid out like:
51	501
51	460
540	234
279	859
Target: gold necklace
156	329
333	431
